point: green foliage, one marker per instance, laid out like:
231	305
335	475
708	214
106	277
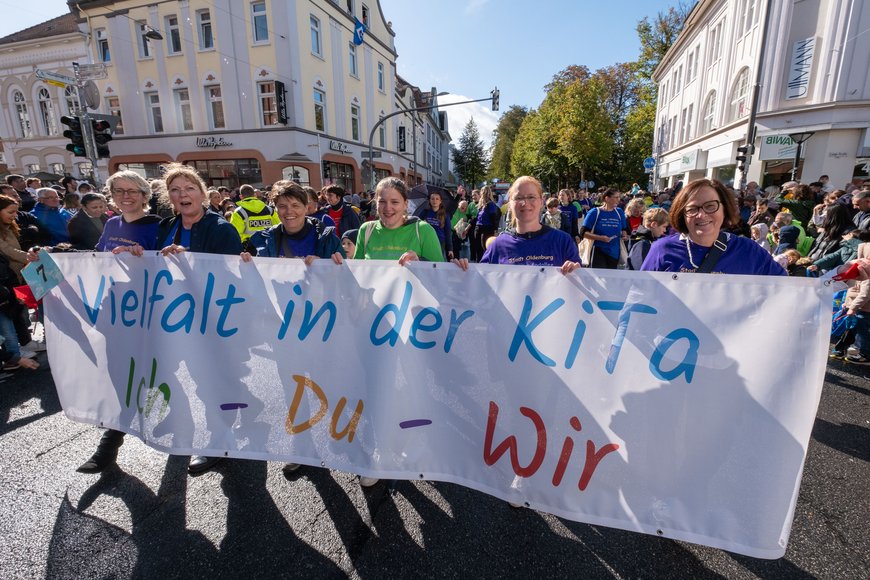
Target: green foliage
469	158
503	143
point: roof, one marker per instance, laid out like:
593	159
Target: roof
65	24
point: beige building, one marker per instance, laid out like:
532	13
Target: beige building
815	78
249	91
30	109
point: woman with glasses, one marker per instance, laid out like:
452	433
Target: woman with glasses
531	243
698	213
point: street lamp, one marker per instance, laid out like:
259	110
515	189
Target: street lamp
411	110
799	139
152	34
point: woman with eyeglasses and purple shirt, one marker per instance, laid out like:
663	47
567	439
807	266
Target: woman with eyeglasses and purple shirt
698	213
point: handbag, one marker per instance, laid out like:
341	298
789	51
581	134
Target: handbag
586	245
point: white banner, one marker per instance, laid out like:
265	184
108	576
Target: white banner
674	405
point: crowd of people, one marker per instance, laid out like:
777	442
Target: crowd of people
700	227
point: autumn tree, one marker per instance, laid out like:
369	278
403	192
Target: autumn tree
504	137
469	158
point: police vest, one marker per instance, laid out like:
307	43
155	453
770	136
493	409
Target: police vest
255	222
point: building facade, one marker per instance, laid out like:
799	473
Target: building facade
30	109
815	78
248	91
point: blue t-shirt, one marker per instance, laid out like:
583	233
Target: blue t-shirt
431	218
488	217
609	223
183	239
118	232
545	247
570	215
742	256
297	245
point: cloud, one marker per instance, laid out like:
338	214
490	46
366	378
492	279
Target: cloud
475	6
458	116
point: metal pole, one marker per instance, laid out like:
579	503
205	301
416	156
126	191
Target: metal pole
797	159
402	112
756	95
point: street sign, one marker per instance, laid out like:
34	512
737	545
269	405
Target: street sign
590	184
582	185
90	71
375	154
55	79
649	163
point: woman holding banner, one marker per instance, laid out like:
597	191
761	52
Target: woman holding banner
698	213
531	243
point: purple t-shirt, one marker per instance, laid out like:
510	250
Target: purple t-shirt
118	232
545	247
742	256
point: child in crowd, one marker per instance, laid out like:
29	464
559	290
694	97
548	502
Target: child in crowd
759	234
553	216
788	259
348	242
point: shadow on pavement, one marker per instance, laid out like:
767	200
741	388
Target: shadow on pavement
23	385
847	438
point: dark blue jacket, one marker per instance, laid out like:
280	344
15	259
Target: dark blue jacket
53	220
266	241
211	235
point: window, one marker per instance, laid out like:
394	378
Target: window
32	168
315	36
173	35
71	96
319	110
692	64
215	107
381	81
354	122
152	102
365	15
709	114
113	105
672	132
350	9
382	135
686	123
351	59
143	43
203	25
57	168
739	105
102	45
260	22
663	92
746	17
85	168
24	127
678	80
268	103
715	43
182	109
46	112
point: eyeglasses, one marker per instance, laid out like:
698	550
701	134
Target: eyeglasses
527	199
126	192
709	208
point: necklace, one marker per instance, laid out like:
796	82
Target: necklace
689	250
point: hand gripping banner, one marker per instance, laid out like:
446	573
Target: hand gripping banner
660	403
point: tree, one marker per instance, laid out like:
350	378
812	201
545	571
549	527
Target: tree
504	137
657	37
469	158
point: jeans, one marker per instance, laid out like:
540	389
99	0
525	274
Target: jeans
862	334
10	337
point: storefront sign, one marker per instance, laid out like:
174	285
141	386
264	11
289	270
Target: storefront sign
775	147
281	102
212	142
339	146
800	68
688	161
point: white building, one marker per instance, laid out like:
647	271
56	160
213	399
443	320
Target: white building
30	109
815	77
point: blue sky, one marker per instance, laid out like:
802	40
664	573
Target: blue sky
467	47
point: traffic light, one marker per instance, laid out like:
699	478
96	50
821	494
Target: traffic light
494	94
75	135
102	135
743	154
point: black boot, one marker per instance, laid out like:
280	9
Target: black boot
106	453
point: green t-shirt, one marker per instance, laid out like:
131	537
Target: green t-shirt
375	242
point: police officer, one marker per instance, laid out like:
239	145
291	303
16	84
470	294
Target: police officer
252	214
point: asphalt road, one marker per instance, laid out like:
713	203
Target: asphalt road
146	518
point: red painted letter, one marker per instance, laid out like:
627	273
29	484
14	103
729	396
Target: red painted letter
491	456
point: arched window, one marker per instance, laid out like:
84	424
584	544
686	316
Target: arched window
24	127
71	96
739	105
46	112
708	116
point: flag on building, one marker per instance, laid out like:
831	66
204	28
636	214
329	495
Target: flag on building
359	29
